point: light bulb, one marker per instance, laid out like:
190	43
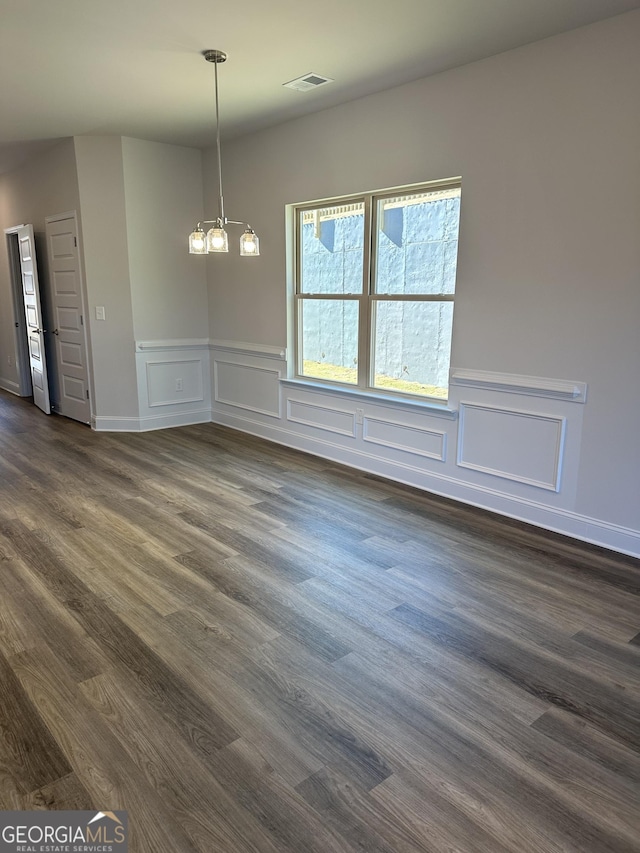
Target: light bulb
249	244
217	240
197	242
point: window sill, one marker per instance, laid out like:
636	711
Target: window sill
427	407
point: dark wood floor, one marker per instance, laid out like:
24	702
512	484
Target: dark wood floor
251	649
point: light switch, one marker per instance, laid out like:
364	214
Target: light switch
100	315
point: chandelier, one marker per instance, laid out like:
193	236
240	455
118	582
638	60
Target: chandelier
216	238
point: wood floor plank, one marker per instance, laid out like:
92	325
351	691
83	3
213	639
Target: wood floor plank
585	739
540	675
198	802
54	626
97	758
187	651
438	719
362	820
165	689
30	758
66	794
235	579
396	647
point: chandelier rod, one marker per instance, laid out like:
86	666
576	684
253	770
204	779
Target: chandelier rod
221	197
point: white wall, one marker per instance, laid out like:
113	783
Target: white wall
44	186
547	141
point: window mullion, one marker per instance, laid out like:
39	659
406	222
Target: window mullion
364	342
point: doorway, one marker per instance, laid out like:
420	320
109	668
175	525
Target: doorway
53	328
29	317
20	325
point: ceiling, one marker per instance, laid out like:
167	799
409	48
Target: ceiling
134	67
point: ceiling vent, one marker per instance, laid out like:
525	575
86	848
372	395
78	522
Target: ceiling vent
307	82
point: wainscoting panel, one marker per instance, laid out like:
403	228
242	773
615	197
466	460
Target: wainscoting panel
411	439
340	421
516	445
174	381
247	386
174	386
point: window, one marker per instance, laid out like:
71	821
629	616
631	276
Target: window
374	290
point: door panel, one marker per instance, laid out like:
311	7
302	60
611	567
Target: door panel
74	389
70	354
33	315
70	344
64	283
34	350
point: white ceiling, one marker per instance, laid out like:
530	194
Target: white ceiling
134	67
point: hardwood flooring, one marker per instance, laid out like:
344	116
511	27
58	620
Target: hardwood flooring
251	649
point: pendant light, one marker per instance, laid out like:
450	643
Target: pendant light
216	238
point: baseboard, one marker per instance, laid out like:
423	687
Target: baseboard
616	538
166	421
10	386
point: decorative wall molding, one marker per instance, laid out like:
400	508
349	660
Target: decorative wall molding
174	386
164	421
423	407
622	539
10	386
339	421
161	375
512	444
390	433
172	344
246	386
512	383
258	350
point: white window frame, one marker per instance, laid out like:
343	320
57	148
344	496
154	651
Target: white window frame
368	298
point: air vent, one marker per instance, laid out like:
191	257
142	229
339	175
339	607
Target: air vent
307	82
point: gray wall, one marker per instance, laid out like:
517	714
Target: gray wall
164	200
106	262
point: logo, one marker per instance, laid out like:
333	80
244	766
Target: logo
63	832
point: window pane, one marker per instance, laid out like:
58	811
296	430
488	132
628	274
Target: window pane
412	347
330	339
331	249
417	242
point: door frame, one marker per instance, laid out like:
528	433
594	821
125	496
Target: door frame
20	323
58	217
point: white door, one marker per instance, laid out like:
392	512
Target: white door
67	319
33	316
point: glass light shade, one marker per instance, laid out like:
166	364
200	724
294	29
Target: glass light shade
197	242
249	244
217	240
